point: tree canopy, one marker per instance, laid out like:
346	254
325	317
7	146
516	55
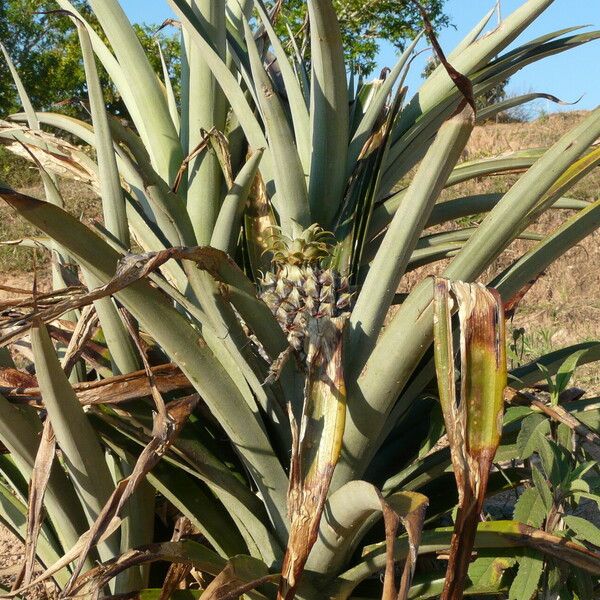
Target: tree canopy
45	49
365	23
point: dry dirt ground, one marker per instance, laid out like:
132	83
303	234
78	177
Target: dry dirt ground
562	308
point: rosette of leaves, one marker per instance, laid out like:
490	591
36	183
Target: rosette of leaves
189	364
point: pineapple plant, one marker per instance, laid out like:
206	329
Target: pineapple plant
226	380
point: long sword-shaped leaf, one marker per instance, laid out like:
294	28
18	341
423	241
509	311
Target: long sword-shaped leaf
241	504
207	108
328	113
117	75
293	90
123	354
138	173
47	180
13	514
493	534
514	163
79	443
474	420
394	362
163	140
470	59
530	265
23	96
225	77
227	228
20	434
411	147
171	99
113	202
507	219
400	240
374	110
179	339
505	105
471	36
289	176
349	513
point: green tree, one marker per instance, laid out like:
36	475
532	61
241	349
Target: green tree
365	23
45	48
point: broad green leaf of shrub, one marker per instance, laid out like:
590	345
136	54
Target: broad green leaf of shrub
584	529
530	508
525	583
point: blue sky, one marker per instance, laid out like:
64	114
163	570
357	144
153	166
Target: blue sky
568	76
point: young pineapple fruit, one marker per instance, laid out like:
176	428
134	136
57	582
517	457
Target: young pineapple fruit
301	284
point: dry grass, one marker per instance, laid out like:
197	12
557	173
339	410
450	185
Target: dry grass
18	174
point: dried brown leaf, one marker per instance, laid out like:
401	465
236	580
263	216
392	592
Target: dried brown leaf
474	419
40	475
241	575
166	430
131	268
112	390
177	571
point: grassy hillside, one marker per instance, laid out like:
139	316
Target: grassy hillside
562	308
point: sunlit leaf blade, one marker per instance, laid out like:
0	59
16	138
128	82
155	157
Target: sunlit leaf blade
298	108
113	202
227	228
375	108
505	105
227	80
290	182
394	362
144	86
51	192
171	99
328	113
507	218
74	435
206	108
394	253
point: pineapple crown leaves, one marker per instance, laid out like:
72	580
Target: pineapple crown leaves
314	245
